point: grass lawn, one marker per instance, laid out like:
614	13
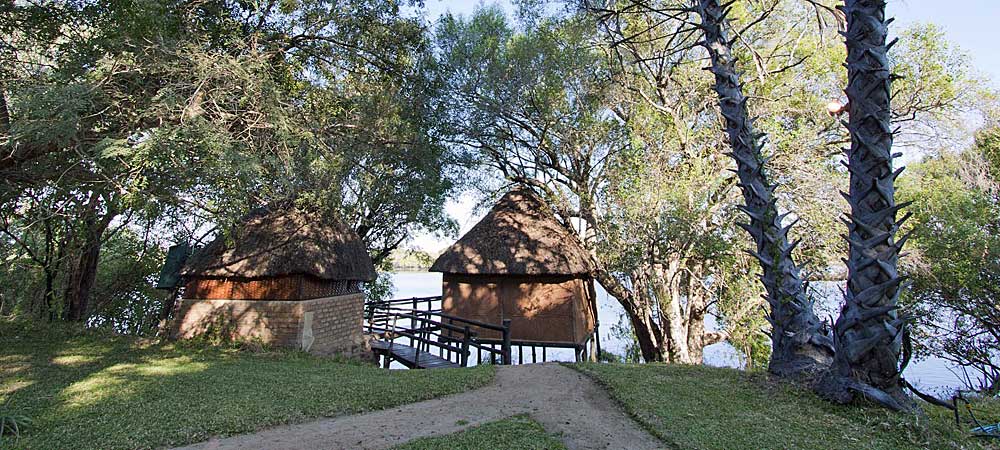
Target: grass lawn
85	389
514	433
711	408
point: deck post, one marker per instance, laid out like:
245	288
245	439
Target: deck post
594	353
464	357
505	350
450	322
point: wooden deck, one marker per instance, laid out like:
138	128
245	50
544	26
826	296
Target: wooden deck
436	340
410	357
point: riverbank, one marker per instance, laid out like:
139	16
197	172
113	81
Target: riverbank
930	374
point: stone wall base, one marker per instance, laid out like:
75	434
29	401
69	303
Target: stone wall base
323	326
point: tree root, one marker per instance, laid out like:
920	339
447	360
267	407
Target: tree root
844	390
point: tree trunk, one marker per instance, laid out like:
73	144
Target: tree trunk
647	331
4	111
653	306
50	258
82	278
83	272
868	334
696	306
676	334
652	344
800	347
666	284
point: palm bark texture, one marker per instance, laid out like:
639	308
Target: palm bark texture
868	335
800	346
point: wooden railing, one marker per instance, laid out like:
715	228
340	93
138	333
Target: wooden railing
412	303
454	338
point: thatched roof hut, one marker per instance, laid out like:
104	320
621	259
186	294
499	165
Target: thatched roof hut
279	243
520	263
520	235
285	276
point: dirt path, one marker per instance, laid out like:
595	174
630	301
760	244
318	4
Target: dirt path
567	403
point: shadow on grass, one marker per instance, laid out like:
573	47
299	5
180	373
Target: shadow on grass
92	390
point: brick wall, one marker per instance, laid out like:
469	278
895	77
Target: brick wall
336	324
326	326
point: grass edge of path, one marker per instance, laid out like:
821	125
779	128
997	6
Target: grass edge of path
629	411
781	413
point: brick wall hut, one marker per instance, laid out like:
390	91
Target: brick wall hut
288	278
520	263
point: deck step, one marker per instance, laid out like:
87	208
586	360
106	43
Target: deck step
409	357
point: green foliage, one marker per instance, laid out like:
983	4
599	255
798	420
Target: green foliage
988	145
954	263
714	408
326	104
669	200
936	90
515	433
381	288
542	105
12	425
411	259
608	357
90	389
125	299
623	331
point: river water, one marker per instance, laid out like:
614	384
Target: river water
931	374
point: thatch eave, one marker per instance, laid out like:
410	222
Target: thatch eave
273	243
519	236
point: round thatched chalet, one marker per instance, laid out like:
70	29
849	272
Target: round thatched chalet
287	277
520	263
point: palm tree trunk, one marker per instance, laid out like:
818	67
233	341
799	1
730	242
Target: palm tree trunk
869	332
800	347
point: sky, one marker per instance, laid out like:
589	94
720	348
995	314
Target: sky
974	25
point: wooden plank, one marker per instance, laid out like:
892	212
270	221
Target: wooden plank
410	357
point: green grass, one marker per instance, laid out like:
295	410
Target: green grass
85	389
711	408
514	433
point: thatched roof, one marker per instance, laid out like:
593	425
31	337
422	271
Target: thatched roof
285	242
519	236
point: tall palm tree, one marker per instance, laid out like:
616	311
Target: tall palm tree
869	332
800	347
